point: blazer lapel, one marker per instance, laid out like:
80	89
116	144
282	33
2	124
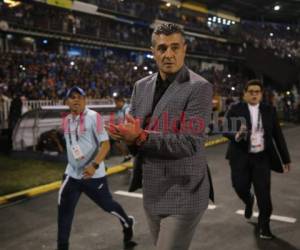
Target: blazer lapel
170	92
247	116
263	116
147	100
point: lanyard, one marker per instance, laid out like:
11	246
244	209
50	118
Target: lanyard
259	125
81	122
76	133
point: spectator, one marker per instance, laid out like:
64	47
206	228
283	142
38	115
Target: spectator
51	142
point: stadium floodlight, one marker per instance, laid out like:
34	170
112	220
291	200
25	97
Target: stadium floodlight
135	68
28	39
145	68
277	7
22	67
12	3
149	56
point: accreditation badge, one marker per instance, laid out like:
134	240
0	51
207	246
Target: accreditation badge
257	142
77	153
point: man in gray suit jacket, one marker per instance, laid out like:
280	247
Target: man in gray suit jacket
166	132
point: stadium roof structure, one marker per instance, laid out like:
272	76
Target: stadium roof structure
289	10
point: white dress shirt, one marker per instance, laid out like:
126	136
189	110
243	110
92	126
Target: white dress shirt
257	133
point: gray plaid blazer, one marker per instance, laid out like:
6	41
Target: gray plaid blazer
171	165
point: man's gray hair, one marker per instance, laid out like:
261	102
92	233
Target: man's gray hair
166	29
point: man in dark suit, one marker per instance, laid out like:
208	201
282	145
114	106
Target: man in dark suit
256	146
170	110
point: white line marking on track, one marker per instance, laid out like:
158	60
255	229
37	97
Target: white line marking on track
212	207
273	217
124	193
138	195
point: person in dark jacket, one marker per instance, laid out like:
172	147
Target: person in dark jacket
256	146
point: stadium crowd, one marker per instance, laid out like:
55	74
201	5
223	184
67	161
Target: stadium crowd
41	76
283	40
106	30
143	9
46	76
59	20
197	22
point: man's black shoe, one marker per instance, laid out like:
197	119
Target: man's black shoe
265	233
249	208
129	245
64	246
128	231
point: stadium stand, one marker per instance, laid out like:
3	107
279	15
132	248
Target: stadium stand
103	46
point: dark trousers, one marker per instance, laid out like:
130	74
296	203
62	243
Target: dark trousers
69	193
253	169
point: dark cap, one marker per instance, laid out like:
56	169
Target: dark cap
77	89
119	98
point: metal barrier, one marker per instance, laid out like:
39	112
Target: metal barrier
29	105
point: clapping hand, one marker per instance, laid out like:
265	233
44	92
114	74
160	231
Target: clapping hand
127	132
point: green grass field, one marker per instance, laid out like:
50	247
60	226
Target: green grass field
17	175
